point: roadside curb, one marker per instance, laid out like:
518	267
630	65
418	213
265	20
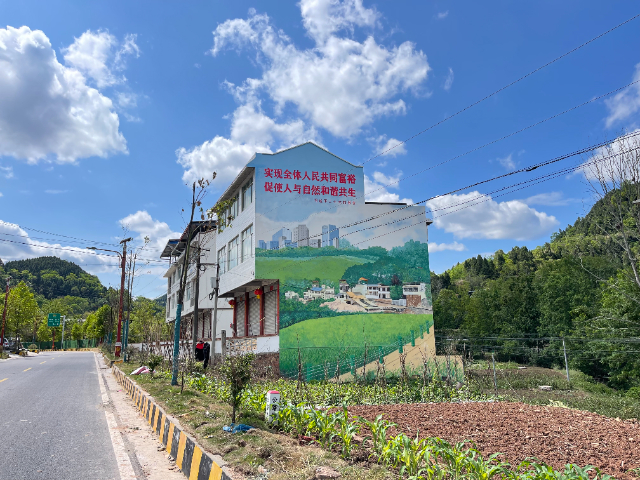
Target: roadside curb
191	459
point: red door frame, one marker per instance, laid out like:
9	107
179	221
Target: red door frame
246	314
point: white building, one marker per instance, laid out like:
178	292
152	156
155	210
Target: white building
204	240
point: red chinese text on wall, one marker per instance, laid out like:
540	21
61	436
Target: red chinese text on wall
278	173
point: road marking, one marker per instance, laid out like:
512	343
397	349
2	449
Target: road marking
3	380
43	362
122	457
26	369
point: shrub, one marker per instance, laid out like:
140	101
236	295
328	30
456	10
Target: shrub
236	371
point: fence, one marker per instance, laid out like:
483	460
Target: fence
68	344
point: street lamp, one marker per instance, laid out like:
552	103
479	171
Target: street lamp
123	259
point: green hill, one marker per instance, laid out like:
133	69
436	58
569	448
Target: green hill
581	285
53	277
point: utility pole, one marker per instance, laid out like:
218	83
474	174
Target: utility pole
566	363
180	299
4	312
132	274
194	327
123	259
214	320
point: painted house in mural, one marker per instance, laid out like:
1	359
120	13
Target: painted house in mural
306	263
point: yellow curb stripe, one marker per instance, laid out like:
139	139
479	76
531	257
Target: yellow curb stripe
181	444
195	463
216	472
169	438
155	417
162	424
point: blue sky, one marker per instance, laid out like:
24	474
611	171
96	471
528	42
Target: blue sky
107	109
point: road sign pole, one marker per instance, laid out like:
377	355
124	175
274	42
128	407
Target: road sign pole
53	345
64	317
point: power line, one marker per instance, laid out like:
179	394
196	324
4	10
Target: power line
485	198
58	234
477	102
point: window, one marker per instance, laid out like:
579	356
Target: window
222	256
247	195
234	208
233	253
189	291
247	238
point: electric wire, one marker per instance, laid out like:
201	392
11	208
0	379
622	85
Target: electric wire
477	102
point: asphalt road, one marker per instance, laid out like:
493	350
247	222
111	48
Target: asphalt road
52	423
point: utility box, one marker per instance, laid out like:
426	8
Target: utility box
273	405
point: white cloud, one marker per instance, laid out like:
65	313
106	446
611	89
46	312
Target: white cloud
449	80
251	131
16	244
79	120
7	172
145	226
507	162
322	18
439	247
376	190
391	147
98	55
55	192
549	199
616	161
626	103
442	15
340	85
483	217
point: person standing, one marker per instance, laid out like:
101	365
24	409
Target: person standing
206	350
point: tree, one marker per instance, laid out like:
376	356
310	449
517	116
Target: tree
76	331
613	173
22	310
236	370
44	332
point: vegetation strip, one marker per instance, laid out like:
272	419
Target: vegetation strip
193	461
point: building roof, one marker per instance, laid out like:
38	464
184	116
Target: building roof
316	289
176	246
317	146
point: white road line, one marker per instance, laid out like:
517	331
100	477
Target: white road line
122	458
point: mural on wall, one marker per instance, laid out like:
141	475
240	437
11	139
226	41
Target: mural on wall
354	276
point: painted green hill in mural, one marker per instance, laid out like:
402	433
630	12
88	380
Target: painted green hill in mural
327	339
290	269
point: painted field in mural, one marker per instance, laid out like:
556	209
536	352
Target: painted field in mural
333	339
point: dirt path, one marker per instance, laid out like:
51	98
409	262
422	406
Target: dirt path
554	435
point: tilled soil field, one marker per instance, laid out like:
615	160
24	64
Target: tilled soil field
554	435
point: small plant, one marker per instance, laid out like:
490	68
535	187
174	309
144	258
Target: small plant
236	371
347	429
154	361
378	429
323	424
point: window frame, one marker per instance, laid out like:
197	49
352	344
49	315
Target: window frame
222	259
233	244
246	187
246	255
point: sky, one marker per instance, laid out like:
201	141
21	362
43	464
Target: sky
110	110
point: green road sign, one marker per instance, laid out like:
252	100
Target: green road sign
53	320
